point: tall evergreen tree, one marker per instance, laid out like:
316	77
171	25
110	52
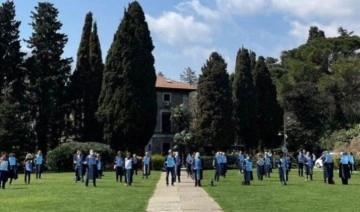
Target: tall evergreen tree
213	124
93	129
11	58
86	83
48	75
127	103
78	79
270	116
245	101
14	132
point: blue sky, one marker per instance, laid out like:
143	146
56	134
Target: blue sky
185	32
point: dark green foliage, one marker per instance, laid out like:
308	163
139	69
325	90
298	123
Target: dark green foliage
61	158
213	123
270	115
127	103
245	101
157	162
12	72
14	133
79	79
48	74
314	33
319	86
86	84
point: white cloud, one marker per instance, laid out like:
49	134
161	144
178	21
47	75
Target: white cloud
176	28
310	9
200	10
241	7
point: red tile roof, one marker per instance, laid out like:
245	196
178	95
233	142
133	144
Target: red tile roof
162	82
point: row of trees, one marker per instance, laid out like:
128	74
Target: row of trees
42	104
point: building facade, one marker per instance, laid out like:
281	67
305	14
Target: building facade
169	94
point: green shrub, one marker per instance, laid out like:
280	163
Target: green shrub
157	162
61	158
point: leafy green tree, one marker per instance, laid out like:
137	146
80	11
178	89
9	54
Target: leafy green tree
270	116
213	124
245	101
181	117
189	76
128	97
48	74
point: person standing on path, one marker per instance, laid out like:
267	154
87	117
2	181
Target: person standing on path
170	168
197	169
189	161
177	166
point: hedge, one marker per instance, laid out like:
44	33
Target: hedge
61	158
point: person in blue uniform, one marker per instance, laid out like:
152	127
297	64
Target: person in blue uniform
170	167
309	166
247	170
223	164
260	167
91	169
4	169
282	164
99	166
217	163
328	168
267	165
13	173
119	166
78	161
146	165
39	160
241	160
300	161
177	166
28	167
344	172
197	169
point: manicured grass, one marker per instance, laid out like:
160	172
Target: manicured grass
58	192
270	195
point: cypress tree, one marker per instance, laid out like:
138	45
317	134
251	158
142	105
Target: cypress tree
93	130
48	75
11	58
270	116
79	78
213	123
13	118
127	103
245	101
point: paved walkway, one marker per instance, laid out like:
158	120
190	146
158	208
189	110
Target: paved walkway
182	197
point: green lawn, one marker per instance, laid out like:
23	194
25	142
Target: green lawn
57	192
298	195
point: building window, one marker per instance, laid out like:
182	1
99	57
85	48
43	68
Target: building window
167	97
165	122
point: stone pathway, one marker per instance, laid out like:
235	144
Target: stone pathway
182	197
